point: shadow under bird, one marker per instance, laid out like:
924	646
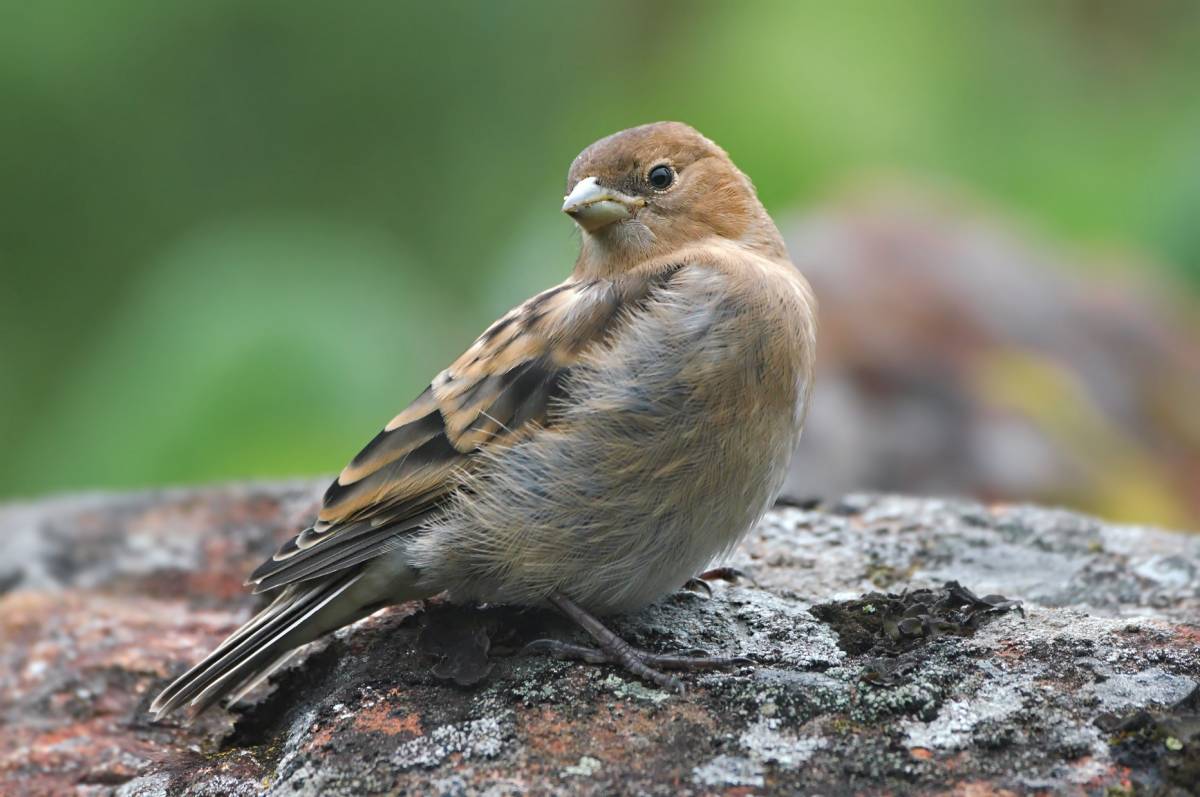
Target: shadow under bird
595	447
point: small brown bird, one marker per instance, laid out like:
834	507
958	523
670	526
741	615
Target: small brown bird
593	450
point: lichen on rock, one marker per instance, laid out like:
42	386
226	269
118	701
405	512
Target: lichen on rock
870	673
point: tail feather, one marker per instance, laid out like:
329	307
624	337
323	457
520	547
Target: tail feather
299	615
352	553
351	559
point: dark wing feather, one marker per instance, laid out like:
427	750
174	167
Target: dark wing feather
496	392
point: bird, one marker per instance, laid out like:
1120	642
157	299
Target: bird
595	448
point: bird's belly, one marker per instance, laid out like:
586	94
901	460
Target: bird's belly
614	537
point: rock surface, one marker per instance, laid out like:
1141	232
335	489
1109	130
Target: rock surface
1091	689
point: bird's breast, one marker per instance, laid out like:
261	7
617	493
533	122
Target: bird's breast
669	445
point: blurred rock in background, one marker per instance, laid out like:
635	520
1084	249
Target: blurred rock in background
960	356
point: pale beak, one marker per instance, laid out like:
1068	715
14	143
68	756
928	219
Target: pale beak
593	206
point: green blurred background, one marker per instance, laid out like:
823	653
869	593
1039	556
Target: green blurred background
236	237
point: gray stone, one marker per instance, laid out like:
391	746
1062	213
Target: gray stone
1079	691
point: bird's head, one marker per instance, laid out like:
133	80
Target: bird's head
648	191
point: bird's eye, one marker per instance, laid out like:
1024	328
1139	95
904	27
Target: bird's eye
661	177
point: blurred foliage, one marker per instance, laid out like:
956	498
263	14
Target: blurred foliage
235	237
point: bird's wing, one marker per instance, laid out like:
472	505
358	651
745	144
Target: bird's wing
497	391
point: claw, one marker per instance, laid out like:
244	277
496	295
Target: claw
696	663
730	575
565	650
694	659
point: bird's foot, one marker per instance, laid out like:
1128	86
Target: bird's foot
699	585
689	660
613	649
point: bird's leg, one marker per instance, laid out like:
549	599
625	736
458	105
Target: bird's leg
614	649
618	649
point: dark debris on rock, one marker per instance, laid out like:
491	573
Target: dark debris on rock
879	623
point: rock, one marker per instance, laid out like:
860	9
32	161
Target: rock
871	673
959	354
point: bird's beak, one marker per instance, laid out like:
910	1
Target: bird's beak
593	206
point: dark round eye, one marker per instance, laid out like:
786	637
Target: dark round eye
661	177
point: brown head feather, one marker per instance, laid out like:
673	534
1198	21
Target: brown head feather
708	198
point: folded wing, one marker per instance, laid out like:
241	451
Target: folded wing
497	391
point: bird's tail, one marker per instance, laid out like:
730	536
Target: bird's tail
301	613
